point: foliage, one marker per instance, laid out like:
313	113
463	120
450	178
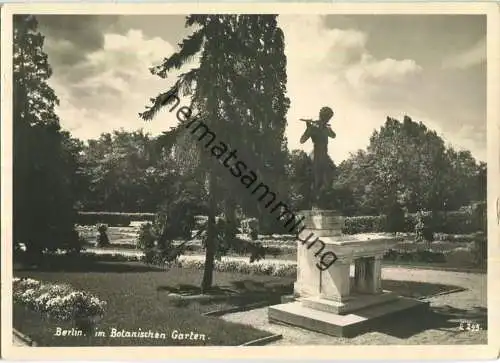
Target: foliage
423	228
250	227
480	250
415	256
395	220
46	171
364	224
147	236
102	238
300	178
175	220
127	171
58	301
461	222
238	90
408	163
177	214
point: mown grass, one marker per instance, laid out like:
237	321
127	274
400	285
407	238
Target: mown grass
134	302
137	297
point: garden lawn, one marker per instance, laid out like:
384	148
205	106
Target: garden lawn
134	302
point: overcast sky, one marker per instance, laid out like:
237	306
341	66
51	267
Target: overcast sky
366	67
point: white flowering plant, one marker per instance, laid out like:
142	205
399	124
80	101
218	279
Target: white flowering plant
241	265
58	301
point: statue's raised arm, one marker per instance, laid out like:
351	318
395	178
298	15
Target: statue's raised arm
307	134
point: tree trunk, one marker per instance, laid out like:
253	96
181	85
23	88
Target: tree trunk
210	247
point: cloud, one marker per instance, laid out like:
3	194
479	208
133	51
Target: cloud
113	85
81	33
333	67
467	58
372	71
105	87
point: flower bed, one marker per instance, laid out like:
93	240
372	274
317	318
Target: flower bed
440	253
59	301
241	265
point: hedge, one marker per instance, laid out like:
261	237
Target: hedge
364	224
111	218
455	222
465	221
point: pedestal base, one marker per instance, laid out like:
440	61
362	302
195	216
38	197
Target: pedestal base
354	303
358	322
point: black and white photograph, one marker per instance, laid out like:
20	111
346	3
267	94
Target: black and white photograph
244	178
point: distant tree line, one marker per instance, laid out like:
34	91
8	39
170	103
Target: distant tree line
405	163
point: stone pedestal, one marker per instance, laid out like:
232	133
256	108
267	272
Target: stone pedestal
323	288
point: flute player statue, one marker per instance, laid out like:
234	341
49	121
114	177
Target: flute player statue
325	298
319	131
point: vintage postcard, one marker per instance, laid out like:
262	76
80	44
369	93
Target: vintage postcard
250	180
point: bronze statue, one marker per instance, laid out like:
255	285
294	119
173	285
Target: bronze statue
319	131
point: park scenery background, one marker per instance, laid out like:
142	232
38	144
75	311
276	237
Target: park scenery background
121	219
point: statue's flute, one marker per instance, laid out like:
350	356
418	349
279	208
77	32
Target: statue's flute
307	120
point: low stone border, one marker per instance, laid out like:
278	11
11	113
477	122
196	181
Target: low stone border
262	341
24	338
458	289
237	309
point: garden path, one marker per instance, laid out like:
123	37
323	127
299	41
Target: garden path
468	304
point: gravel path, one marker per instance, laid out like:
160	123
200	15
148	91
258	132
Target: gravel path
462	305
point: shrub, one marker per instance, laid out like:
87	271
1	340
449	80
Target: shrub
415	256
200	222
154	256
480	216
465	221
438	236
423	227
147	241
146	237
364	224
175	220
141	217
480	250
250	227
102	238
395	220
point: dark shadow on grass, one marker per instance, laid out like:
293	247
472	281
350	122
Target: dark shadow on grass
271	287
187	289
249	291
411	289
418	290
82	263
238	293
442	318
